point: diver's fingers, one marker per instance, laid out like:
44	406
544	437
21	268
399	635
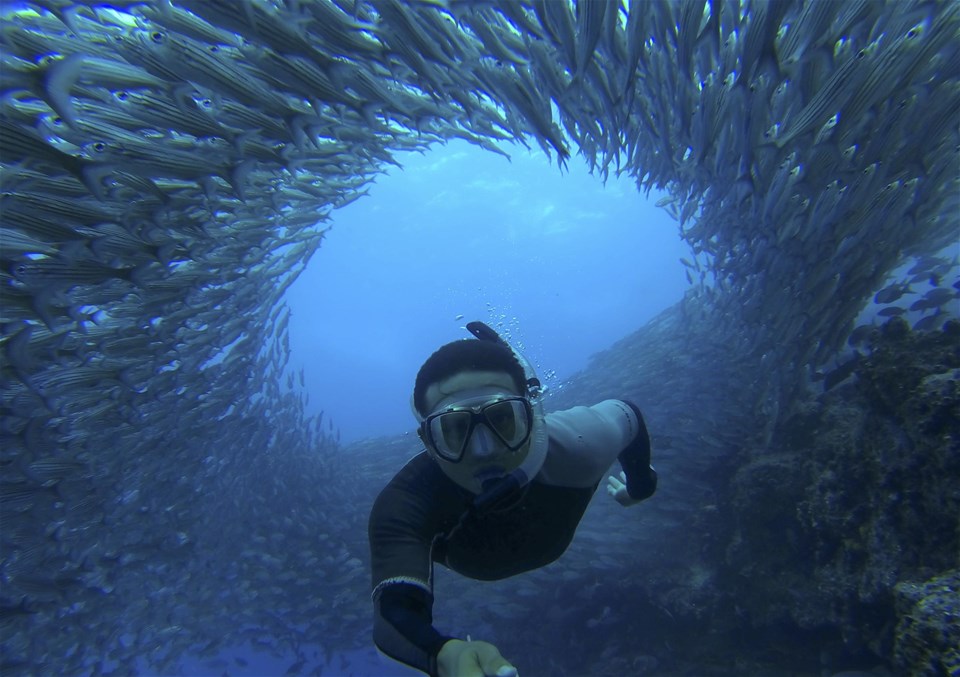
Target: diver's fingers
614	485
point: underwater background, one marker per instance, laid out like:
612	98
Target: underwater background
743	216
550	258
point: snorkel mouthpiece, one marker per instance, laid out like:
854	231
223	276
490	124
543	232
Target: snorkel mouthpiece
497	489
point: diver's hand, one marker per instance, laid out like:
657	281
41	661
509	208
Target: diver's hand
472	659
618	489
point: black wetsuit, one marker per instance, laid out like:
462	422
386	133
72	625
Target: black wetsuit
422	517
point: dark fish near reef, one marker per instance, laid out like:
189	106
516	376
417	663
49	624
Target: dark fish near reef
168	169
892	293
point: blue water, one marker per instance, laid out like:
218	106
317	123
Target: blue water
565	264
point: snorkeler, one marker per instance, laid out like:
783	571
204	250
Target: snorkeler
499	490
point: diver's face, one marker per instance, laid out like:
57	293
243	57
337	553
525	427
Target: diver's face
485	456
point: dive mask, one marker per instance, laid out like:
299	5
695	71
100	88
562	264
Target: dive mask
450	431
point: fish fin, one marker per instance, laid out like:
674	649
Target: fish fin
58	79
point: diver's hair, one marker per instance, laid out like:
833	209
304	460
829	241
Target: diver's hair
466	355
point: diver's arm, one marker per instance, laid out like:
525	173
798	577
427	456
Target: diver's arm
403	626
402	629
404	522
585	441
641	478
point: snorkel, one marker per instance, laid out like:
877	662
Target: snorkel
497	489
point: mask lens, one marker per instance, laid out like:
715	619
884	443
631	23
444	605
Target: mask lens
449	432
509	420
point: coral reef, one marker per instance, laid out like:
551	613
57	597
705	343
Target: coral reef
861	495
928	630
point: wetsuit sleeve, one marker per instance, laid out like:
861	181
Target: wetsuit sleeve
585	441
635	460
401	529
403	626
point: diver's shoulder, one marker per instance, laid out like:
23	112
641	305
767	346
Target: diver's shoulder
584	417
584	441
418	468
419	476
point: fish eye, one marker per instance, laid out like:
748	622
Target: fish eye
157	37
122	96
99	146
214	49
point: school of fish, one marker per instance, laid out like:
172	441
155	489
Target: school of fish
168	168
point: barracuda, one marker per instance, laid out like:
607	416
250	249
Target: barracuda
341	34
189	24
829	98
214	66
161	112
305	79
